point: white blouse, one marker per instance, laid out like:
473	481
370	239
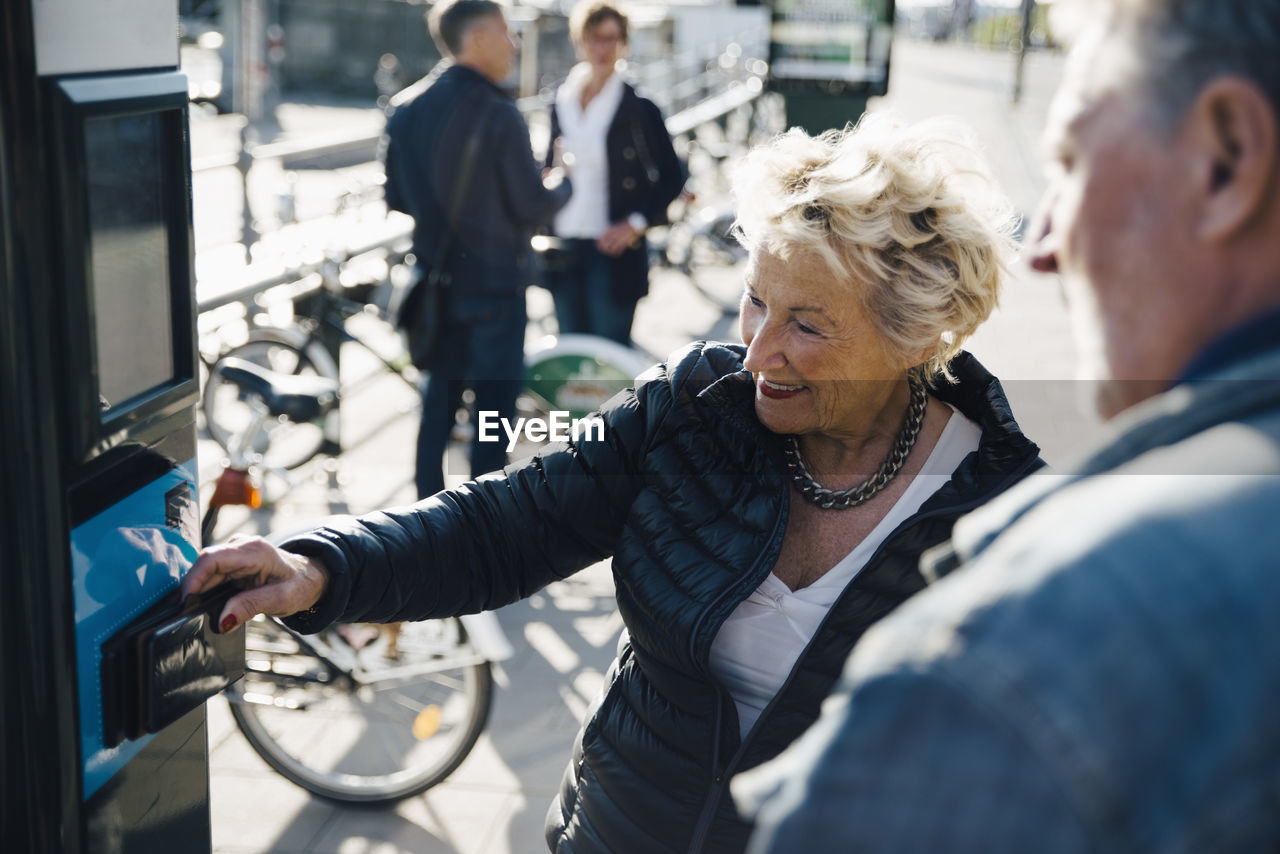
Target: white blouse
583	133
761	641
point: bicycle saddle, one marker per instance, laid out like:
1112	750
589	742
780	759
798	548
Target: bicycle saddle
293	396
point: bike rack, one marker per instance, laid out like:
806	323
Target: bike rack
742	80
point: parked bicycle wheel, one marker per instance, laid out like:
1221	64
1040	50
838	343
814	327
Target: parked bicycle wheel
282	444
578	373
347	722
706	251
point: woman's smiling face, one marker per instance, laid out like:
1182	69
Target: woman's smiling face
819	363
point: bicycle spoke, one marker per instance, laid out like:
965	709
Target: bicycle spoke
376	741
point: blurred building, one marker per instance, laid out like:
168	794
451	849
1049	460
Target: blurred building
240	53
989	23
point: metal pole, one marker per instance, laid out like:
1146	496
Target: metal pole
253	48
1027	7
529	47
248	233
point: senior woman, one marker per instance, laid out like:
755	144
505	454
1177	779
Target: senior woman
763	505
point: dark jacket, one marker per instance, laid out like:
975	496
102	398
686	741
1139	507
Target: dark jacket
505	201
645	176
689	493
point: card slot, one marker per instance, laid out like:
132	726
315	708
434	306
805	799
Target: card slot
167	662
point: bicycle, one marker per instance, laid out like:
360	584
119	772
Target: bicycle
699	244
325	316
389	712
346	719
575	374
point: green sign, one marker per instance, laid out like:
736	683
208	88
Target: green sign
835	46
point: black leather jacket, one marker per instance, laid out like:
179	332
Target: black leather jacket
689	494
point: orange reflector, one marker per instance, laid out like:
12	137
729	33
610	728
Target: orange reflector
235	488
427	723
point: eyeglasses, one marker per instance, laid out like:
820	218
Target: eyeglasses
594	37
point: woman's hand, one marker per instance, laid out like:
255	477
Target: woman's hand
552	177
554	174
616	239
276	582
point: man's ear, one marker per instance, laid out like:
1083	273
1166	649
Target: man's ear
467	42
1236	135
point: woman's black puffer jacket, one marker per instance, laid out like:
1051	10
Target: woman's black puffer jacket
689	494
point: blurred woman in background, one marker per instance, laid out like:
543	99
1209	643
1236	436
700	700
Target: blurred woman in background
615	145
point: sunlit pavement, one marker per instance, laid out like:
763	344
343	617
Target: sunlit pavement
564	636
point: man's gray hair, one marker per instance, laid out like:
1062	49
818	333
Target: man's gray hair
449	21
1184	44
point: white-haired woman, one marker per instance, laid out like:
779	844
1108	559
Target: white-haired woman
762	505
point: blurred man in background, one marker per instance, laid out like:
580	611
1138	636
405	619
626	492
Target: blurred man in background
491	199
1102	672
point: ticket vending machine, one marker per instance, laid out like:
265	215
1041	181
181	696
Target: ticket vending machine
105	672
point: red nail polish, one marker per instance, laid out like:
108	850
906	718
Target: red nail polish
228	623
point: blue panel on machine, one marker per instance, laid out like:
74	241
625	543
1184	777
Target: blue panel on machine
123	560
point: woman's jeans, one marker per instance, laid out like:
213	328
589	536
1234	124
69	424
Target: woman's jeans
584	294
482	348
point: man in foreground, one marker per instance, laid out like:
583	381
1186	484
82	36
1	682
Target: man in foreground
497	197
1103	670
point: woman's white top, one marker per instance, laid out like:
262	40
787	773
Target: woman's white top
757	647
583	134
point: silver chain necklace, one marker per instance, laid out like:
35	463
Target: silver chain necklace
844	499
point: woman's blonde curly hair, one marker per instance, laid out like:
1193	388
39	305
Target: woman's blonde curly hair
907	215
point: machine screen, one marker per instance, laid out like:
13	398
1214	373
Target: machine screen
129	255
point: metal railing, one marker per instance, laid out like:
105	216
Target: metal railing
397	233
724	83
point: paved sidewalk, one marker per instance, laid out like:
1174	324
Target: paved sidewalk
564	636
1027	341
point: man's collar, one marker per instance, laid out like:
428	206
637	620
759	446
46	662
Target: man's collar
1244	364
1250	339
460	68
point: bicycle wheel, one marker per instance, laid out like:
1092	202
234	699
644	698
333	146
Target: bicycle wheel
713	259
406	727
578	373
281	444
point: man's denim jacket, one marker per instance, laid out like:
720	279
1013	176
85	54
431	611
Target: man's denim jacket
1101	674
